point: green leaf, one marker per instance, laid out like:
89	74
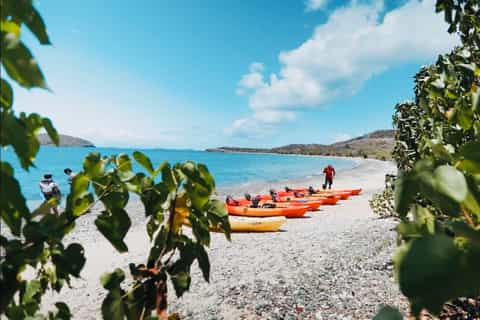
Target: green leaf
11	194
200	229
80	184
152	226
24	12
115	200
93	165
181	282
388	313
114	225
22	67
134	302
451	183
123	163
32	292
112	280
52	132
218	217
69	261
112	306
430	272
167	178
144	161
13	219
203	262
198	194
461	229
79	200
63	312
6	95
476	99
158	246
405	191
470	152
153	199
74	255
207	178
35	23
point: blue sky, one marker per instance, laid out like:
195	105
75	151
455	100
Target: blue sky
197	74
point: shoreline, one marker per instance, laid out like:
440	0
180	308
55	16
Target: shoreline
356	161
292	154
333	264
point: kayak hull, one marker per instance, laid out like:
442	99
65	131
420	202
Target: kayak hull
289	212
250	224
312	205
269	224
352	192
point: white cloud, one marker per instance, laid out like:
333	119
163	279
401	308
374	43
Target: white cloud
252	80
246	127
356	43
313	5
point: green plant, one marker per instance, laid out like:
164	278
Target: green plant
410	125
438	192
171	196
382	203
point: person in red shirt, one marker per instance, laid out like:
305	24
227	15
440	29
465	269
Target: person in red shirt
329	172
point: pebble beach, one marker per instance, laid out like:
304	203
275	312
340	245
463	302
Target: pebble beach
334	263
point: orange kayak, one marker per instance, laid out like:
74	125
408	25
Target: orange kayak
353	192
329	200
311	204
295	202
289	212
250	224
343	195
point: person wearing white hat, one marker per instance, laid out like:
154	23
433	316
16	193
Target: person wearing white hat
50	189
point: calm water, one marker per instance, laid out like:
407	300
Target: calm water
227	168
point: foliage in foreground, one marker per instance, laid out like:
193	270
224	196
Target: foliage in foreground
34	257
438	153
382	203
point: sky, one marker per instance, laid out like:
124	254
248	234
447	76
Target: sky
199	74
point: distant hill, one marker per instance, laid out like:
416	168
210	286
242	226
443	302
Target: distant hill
65	141
378	145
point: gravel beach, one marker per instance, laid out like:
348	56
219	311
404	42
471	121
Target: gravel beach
333	264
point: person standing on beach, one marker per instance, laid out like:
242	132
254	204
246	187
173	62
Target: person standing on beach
70	175
50	190
329	172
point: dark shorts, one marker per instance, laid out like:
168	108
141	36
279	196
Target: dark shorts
328	182
48	196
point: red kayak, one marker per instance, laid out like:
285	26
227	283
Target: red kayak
326	200
289	212
311	204
353	192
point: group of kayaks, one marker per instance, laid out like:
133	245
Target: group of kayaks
268	212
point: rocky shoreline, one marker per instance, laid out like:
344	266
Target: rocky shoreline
333	264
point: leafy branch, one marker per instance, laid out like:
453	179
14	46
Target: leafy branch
437	194
35	238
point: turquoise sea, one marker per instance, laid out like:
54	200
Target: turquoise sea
229	169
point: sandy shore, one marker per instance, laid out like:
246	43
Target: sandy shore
334	264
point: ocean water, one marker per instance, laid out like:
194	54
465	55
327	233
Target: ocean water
228	169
